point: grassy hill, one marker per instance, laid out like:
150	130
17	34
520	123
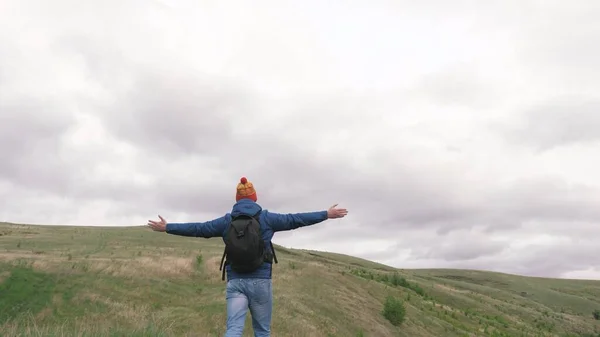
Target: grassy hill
89	281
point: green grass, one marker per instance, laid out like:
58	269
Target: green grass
91	281
25	291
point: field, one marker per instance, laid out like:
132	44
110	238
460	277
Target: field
91	281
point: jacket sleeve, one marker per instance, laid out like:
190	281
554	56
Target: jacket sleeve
208	229
285	222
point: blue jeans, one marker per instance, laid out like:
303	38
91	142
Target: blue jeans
254	294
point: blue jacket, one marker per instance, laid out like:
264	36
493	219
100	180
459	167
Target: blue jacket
269	222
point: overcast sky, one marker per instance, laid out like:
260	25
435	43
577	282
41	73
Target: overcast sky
459	134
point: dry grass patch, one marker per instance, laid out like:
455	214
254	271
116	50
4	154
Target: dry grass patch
36	261
124	310
12	256
45	313
291	315
142	266
450	289
47	264
317	264
211	266
89	327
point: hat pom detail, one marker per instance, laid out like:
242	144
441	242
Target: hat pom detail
244	180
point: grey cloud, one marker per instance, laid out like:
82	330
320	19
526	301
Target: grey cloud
190	136
422	245
385	208
168	110
31	206
30	130
457	85
462	249
557	123
552	260
549	199
502	208
548	206
179	113
549	260
175	114
562	40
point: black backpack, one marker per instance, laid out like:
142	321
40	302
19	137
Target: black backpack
244	246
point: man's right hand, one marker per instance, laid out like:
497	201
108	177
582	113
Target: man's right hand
158	226
334	213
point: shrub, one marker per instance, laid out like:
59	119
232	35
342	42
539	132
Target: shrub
596	314
398	280
394	310
199	260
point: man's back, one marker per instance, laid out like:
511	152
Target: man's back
249	290
269	224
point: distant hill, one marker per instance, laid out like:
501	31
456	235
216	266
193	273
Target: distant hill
93	281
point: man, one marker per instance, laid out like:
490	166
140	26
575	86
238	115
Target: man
248	290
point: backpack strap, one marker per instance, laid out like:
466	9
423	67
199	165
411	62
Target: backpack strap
273	250
223	261
222	267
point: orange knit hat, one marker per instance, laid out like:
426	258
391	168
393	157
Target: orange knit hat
245	189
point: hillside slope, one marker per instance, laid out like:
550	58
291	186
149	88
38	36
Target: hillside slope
90	281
